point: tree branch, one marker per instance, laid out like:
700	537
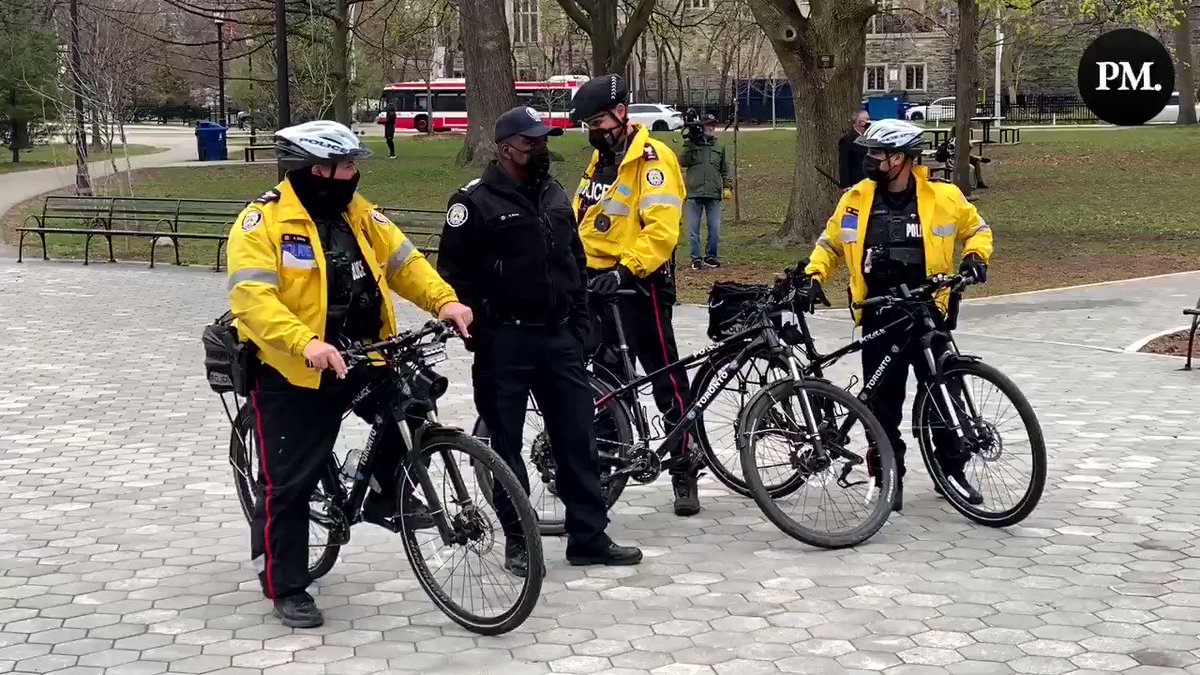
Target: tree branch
633	29
574	9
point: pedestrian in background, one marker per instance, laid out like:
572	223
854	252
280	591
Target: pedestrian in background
389	129
708	183
851	154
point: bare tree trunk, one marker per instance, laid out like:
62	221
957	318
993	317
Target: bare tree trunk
491	92
604	38
339	62
1185	65
451	48
824	97
964	104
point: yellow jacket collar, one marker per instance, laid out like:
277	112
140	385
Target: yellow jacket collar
637	145
920	173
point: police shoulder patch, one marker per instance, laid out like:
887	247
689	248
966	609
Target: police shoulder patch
379	217
456	215
251	220
655	177
648	152
267	197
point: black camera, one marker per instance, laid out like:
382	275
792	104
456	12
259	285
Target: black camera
693	126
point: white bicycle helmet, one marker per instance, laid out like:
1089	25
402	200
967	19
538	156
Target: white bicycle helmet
893	136
317	142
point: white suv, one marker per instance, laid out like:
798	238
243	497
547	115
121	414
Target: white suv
940	110
655	116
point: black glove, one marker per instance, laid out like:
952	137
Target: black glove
612	280
809	293
973	265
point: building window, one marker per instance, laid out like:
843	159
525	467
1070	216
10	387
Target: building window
875	78
525	21
914	77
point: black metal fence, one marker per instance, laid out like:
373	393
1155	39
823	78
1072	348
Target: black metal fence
1046	110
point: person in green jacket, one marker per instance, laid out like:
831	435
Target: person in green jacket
708	183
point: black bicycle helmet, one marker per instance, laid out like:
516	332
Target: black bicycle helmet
597	95
894	136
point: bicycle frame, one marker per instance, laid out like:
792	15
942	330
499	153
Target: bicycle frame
740	345
899	328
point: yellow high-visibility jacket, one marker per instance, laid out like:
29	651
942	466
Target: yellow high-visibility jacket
639	214
277	276
946	218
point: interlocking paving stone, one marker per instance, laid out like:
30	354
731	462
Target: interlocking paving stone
125	550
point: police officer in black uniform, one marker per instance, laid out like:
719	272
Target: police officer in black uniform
512	253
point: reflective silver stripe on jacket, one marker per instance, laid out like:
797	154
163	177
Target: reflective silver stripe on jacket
262	276
823	242
400	256
613	207
944	230
660	199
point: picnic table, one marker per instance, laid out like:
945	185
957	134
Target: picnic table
986	123
940	136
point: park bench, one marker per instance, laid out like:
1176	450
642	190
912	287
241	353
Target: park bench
251	150
176	219
1010	135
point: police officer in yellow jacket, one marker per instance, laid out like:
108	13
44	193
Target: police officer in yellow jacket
310	266
629	204
898	227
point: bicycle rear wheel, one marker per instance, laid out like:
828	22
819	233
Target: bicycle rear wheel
465	576
1003	453
828	497
323	547
716	426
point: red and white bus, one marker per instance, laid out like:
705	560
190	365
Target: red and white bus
552	98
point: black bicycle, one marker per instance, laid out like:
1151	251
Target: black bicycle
466	539
966	414
755	354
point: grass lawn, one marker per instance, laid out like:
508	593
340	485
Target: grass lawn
62	154
1066	206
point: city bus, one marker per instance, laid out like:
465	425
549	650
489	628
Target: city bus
552	98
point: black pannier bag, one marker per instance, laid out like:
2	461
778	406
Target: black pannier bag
226	359
730	307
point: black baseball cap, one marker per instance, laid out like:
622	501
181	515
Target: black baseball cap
523	121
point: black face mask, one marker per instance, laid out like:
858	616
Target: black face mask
607	141
873	168
537	163
321	196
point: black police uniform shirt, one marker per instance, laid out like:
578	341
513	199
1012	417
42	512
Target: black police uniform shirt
598	185
895	248
353	295
512	252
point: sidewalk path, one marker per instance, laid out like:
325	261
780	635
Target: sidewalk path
22	185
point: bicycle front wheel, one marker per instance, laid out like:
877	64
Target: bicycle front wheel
812	440
1001	452
464	572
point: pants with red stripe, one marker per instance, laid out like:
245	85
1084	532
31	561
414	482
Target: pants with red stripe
646	319
296	429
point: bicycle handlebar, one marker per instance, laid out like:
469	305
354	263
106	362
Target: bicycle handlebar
441	330
920	294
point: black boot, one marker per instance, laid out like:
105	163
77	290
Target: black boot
516	557
968	490
687	498
380	510
297	610
610	555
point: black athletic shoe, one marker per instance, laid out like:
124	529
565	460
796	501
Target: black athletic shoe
611	555
687	498
516	558
697	264
712	263
969	492
297	610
